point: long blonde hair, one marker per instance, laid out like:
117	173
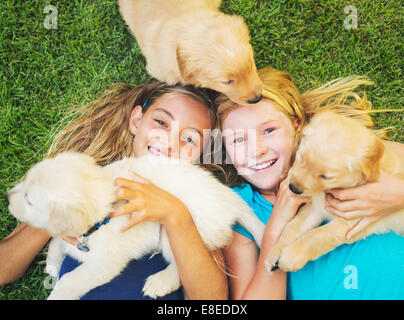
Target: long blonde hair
278	87
101	128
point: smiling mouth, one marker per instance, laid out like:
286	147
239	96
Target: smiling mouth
263	165
156	152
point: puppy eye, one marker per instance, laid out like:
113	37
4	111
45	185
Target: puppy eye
322	176
231	81
26	199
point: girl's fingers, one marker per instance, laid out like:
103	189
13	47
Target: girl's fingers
136	218
122	182
346	215
344	206
71	240
124	193
132	206
139	178
360	226
348	193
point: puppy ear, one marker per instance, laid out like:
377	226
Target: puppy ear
370	164
76	156
186	74
66	219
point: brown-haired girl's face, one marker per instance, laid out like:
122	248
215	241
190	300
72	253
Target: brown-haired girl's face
171	127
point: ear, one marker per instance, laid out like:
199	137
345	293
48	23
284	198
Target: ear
65	219
370	164
76	156
135	117
185	73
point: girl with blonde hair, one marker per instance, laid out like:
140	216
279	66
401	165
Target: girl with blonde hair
260	142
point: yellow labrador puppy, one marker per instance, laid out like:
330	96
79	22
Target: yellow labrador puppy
192	42
334	152
69	195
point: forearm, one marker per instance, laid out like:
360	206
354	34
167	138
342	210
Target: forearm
265	285
18	250
200	275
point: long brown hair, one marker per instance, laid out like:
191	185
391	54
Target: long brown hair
101	128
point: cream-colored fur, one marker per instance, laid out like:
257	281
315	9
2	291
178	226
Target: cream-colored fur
68	194
192	42
334	152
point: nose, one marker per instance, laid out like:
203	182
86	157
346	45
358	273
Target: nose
255	100
294	189
6	198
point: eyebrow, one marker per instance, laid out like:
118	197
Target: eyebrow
196	130
165	111
172	117
265	123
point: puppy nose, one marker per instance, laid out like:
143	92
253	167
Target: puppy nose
256	99
6	198
294	189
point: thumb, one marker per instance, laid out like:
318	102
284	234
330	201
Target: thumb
360	226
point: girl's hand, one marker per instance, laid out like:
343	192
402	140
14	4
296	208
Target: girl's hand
371	201
286	206
146	201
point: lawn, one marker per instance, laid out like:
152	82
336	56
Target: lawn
46	72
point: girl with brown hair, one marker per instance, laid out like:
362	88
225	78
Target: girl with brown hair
133	121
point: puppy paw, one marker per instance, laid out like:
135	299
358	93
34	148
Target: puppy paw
292	258
52	270
160	284
271	262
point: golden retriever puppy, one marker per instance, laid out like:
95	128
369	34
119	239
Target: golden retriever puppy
192	42
334	152
69	194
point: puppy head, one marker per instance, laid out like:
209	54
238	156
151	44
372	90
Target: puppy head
334	152
222	60
63	195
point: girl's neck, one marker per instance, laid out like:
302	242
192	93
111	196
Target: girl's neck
268	195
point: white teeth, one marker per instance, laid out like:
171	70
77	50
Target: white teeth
264	165
155	152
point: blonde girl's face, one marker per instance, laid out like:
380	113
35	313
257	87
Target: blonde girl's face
259	140
171	127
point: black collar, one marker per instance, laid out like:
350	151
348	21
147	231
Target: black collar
96	226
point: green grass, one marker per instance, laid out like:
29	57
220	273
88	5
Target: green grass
44	73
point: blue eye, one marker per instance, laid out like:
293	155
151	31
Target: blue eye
239	140
161	123
269	130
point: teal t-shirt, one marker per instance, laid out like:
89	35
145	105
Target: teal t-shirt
371	269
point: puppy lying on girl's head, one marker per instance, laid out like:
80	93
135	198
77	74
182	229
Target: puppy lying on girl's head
192	42
69	194
335	151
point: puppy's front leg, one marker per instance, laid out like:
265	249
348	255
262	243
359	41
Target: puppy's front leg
163	282
55	256
314	244
305	220
87	276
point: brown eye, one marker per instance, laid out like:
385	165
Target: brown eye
230	82
322	176
26	199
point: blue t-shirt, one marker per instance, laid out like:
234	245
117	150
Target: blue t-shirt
371	269
129	284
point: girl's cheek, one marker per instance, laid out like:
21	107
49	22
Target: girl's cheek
190	153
